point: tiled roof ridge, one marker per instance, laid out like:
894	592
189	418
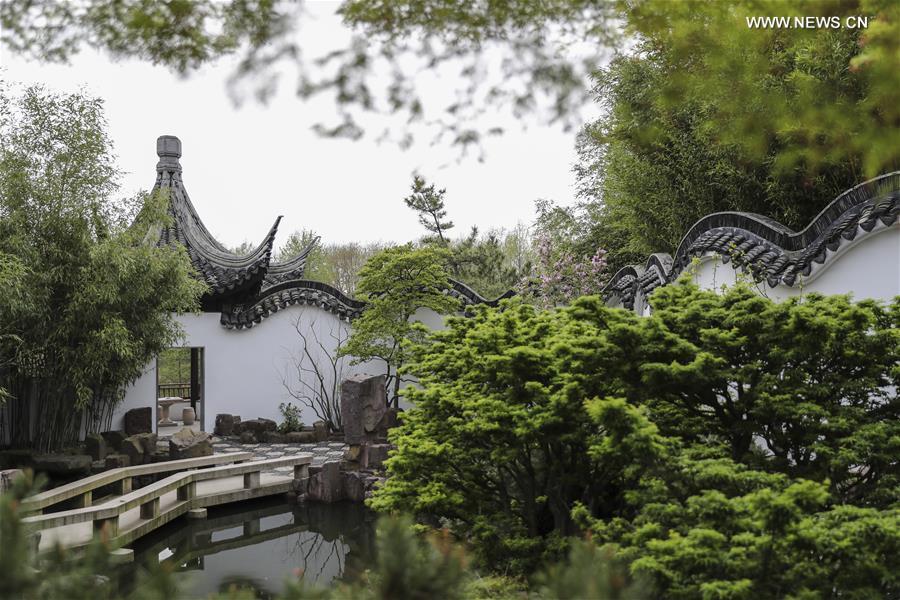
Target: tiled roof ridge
769	250
291	269
220	268
327	297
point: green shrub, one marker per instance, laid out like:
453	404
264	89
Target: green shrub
290	413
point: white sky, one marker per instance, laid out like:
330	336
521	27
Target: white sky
244	166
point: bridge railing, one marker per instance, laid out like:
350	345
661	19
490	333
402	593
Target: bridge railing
83	489
106	517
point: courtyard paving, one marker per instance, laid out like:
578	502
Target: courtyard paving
321	452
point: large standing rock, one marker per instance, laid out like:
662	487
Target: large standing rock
188	443
139	420
114	439
363	404
390	420
64	465
224	425
95	445
320	431
247	437
258	426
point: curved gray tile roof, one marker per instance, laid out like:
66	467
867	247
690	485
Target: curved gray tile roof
768	250
223	271
250	288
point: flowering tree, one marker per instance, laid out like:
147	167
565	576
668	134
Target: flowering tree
559	275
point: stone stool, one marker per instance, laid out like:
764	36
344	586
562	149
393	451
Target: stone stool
188	415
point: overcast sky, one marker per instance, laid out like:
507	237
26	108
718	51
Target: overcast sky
245	165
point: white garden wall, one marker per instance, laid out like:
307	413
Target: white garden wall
245	369
869	267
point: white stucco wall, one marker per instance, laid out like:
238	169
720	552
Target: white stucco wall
245	369
868	267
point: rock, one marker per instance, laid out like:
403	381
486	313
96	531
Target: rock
307	437
114	439
272	437
65	465
374	455
373	483
98	465
325	482
159	456
257	426
139	448
390	420
8	477
293	437
114	461
351	454
133	450
247	437
188	443
95	445
354	486
237	425
139	420
363	404
300	486
148	442
224	424
320	431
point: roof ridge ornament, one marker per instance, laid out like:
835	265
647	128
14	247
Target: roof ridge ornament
168	148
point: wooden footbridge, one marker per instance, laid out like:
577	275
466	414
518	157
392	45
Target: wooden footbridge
126	515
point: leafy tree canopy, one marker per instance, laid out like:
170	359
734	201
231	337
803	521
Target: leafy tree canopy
397	283
428	203
94	297
724	443
827	96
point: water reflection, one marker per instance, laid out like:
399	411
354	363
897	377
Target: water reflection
258	546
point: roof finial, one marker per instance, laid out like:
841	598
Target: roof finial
168	148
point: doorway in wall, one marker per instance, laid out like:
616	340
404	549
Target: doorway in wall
179	390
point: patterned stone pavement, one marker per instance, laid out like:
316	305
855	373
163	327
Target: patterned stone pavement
321	452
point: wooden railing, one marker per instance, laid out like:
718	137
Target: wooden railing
182	390
83	489
105	518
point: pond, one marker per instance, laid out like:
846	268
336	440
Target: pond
259	545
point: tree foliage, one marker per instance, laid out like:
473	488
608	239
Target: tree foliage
428	203
725	444
491	263
335	264
706	114
534	70
497	441
823	97
397	283
96	297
